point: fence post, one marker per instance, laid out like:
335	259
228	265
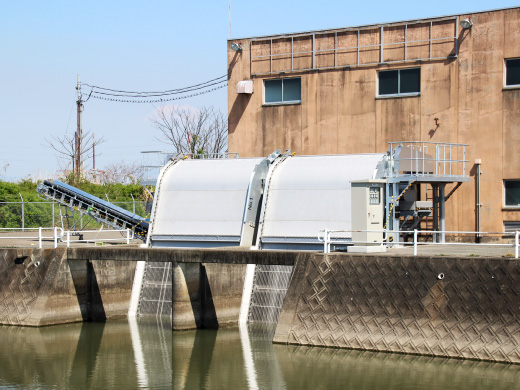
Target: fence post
68	238
55	237
415	242
53	224
133	203
23	213
127	236
517	233
325	240
40	237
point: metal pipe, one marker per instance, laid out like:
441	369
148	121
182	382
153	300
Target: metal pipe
381	45
442	212
517	233
40	237
415	242
478	205
55	237
23	213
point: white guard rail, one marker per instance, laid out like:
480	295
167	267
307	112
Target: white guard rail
324	236
60	235
56	236
129	236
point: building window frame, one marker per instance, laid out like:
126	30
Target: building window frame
512	199
282	101
399	86
509	80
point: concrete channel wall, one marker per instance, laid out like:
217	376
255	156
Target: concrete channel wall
438	306
42	287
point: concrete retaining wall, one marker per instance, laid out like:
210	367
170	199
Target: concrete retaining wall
41	287
454	307
206	295
438	306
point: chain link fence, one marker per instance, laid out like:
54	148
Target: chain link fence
22	215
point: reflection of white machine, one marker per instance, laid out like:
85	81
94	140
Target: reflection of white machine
367	210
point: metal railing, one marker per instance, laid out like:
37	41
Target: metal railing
129	236
55	237
427	159
325	236
322	43
156	159
64	236
30	215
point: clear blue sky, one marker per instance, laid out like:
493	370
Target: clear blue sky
142	45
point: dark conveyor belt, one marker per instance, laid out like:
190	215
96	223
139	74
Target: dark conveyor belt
100	210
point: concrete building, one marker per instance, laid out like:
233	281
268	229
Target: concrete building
452	79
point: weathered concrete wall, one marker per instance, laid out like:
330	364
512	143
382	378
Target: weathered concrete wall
41	287
206	295
455	307
341	113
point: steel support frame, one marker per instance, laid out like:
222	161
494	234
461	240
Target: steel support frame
439	212
393	196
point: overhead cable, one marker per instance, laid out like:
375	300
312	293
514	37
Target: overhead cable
156	92
156	100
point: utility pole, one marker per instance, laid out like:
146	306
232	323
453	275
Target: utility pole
78	164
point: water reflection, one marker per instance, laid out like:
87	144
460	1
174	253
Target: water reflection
148	355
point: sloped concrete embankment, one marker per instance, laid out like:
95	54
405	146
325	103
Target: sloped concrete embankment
438	306
41	287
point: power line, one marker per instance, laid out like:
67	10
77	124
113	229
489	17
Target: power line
134	100
157	94
94	87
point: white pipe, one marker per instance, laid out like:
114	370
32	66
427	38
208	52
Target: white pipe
415	242
40	237
136	289
517	233
247	292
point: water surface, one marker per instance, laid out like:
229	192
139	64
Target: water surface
148	355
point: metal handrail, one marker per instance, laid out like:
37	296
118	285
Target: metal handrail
442	161
56	237
313	52
324	236
60	235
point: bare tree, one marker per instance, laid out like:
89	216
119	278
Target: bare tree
6	165
122	172
195	131
67	148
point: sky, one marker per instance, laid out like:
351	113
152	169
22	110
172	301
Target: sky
142	46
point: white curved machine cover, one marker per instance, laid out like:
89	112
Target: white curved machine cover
202	200
309	193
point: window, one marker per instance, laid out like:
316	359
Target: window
399	82
282	91
512	193
513	72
